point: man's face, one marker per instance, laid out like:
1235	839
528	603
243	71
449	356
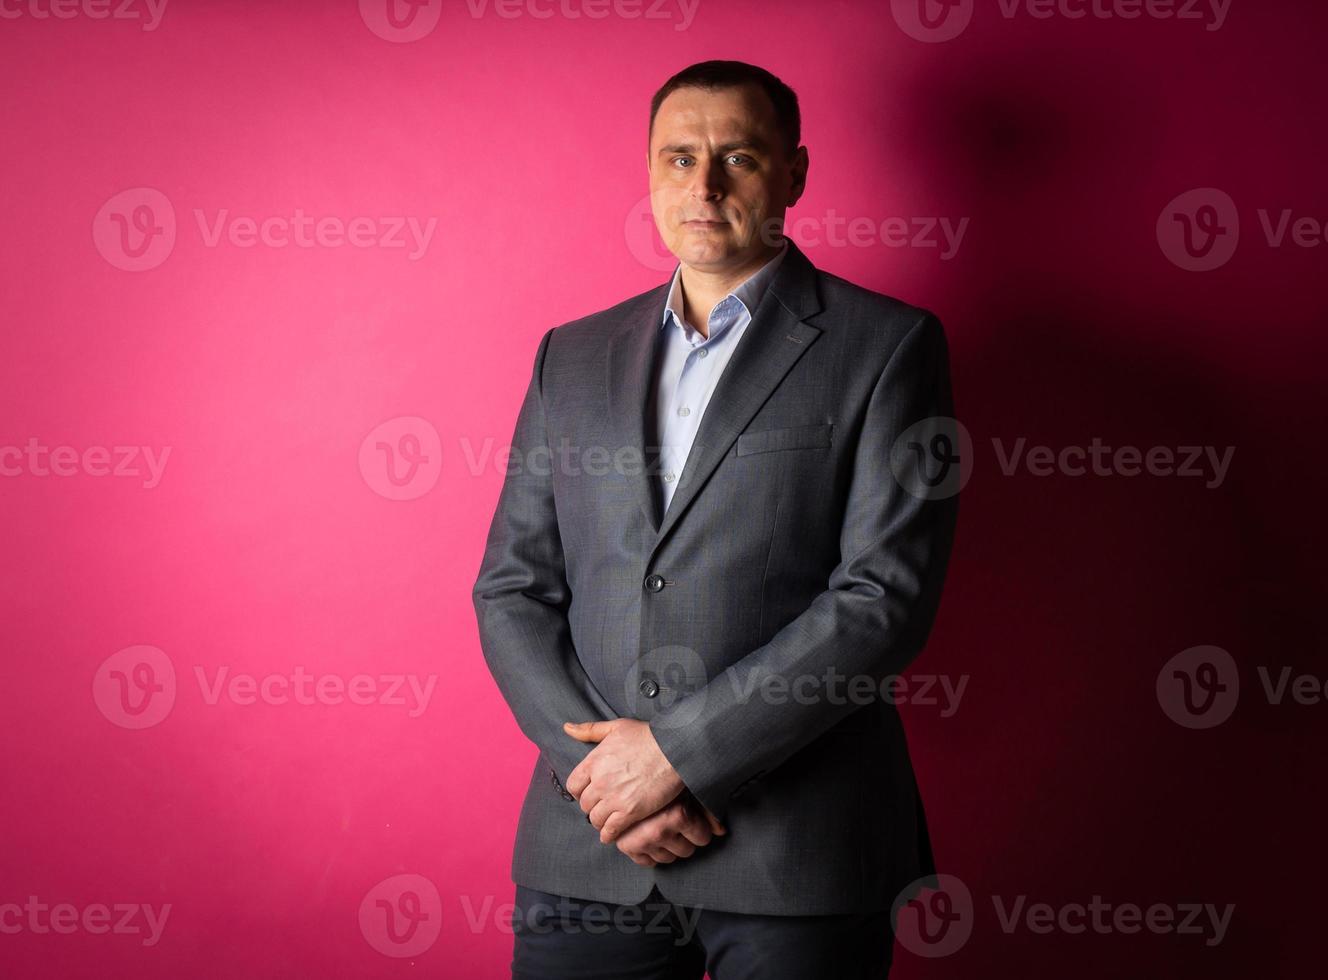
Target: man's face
720	177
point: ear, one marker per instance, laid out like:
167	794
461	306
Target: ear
798	175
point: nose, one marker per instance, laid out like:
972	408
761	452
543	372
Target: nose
708	179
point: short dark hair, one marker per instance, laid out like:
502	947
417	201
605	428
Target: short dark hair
713	75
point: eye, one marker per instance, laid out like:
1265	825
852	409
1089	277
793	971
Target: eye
678	161
742	159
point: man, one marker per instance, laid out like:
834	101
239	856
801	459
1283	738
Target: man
701	568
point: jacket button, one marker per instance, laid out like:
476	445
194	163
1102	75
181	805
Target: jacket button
654	583
649	688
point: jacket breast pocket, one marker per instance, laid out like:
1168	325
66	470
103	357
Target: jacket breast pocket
772	440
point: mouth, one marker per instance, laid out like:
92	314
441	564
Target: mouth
704	223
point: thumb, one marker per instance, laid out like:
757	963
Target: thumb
588	731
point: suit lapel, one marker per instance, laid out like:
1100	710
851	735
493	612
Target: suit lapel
630	362
772	343
777	336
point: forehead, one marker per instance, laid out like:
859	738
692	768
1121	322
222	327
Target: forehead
722	113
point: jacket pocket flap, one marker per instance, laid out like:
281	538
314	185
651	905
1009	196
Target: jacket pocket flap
797	437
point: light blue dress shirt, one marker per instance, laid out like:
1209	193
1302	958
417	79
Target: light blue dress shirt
690	366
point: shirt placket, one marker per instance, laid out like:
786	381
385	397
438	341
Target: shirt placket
690	394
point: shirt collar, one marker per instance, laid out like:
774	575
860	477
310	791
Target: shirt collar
748	292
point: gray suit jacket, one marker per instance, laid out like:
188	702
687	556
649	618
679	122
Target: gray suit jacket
790	556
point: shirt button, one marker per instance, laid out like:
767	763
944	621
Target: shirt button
668	477
649	688
654	583
702	352
684	411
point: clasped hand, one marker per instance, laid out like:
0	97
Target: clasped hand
634	797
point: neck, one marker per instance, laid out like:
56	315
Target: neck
703	288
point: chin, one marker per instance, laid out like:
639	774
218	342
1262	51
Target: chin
708	251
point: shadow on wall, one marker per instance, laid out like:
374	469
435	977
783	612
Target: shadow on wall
1068	593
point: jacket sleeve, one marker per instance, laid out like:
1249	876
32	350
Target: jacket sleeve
521	598
872	619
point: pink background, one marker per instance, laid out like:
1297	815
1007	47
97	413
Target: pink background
271	541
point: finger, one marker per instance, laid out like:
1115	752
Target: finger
589	798
637	838
696	831
645	860
615	825
577	780
661	855
588	731
601	812
679	846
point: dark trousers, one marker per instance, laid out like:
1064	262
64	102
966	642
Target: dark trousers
557	938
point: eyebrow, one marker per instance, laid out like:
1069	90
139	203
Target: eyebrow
750	143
